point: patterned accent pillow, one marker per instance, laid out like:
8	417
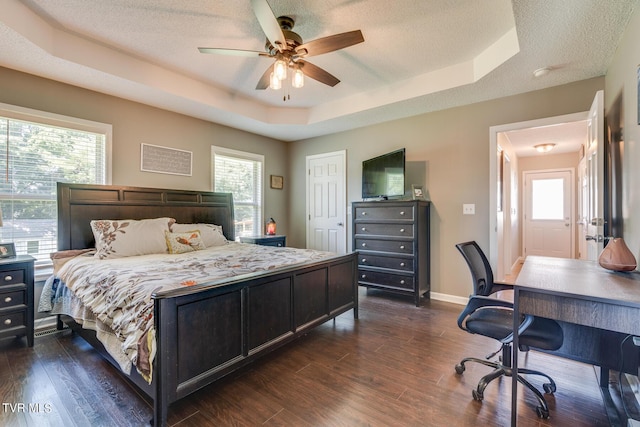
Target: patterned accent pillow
179	243
211	234
118	238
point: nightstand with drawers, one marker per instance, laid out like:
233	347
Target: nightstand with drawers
392	240
266	240
16	297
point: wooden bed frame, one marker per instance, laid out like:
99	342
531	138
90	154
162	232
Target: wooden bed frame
205	332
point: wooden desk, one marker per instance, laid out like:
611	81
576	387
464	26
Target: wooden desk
583	296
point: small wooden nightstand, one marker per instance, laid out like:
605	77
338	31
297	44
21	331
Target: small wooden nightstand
266	240
16	297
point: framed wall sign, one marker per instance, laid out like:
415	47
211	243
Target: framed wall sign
154	158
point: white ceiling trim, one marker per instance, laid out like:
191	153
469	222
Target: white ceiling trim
97	57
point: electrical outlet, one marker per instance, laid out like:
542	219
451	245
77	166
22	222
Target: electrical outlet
468	209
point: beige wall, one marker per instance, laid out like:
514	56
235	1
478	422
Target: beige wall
448	153
622	78
135	123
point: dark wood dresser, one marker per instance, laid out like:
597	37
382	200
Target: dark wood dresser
392	240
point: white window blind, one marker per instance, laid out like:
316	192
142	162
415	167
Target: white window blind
34	156
240	173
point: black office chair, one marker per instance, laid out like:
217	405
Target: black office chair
492	317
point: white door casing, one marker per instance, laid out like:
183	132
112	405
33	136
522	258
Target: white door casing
595	173
548	213
326	202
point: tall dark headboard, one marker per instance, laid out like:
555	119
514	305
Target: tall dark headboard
78	204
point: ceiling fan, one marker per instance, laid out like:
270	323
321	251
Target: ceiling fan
289	51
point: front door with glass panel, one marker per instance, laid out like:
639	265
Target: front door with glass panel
548	221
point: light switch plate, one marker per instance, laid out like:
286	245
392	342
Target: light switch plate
468	209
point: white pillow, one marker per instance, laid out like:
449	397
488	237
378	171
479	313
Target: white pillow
211	234
118	238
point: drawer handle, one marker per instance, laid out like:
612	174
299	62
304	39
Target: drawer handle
7	322
402	264
402	282
364	260
402	230
8	278
401	246
364	213
364	276
364	229
401	212
8	299
364	245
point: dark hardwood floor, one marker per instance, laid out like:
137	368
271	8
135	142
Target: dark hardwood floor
392	367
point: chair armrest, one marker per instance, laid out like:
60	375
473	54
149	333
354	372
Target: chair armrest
501	286
477	302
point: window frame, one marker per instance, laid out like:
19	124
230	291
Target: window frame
244	155
46	118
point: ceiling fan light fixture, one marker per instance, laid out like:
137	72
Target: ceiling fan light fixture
544	148
274	82
280	69
297	81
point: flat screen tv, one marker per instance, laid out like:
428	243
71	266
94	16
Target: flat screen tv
383	176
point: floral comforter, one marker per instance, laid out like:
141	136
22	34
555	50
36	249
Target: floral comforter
117	292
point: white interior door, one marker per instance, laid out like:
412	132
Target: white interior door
595	172
548	222
326	202
583	208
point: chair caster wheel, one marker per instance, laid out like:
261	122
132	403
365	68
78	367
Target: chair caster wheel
542	413
549	388
459	369
477	396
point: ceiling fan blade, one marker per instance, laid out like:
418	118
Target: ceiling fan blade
232	52
269	23
317	73
330	43
263	83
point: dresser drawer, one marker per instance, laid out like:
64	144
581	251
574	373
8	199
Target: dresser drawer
385	279
384	229
12	320
11	299
9	277
394	246
404	264
384	212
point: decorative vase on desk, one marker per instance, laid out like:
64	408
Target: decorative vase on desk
616	256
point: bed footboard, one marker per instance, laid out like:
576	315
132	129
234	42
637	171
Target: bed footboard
204	335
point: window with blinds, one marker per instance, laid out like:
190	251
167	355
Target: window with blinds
240	174
34	156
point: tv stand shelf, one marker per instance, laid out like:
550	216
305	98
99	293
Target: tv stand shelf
392	241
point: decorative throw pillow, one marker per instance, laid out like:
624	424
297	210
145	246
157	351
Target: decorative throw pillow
211	234
118	238
179	243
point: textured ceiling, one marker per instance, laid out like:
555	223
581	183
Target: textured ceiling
418	55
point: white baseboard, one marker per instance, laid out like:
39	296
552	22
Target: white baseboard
449	298
44	323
